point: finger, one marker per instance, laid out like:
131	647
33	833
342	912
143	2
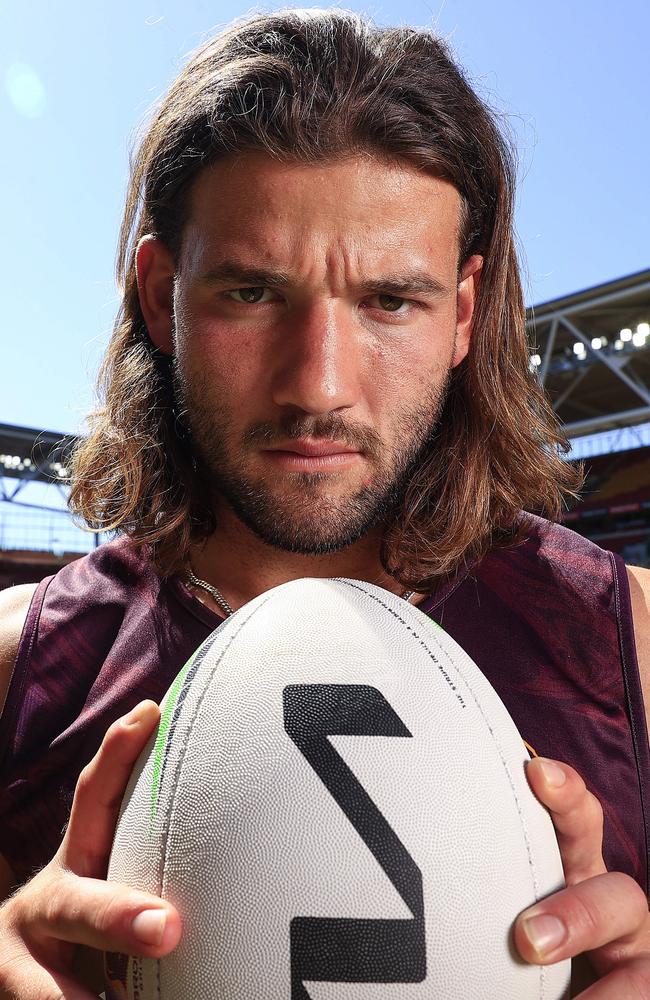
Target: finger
107	916
629	982
577	817
607	910
98	796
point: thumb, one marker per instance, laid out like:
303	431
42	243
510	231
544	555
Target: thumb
108	916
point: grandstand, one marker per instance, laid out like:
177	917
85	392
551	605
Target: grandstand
37	535
591	352
615	509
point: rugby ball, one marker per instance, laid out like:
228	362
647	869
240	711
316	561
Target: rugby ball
336	802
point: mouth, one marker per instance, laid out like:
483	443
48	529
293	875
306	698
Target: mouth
304	454
315	449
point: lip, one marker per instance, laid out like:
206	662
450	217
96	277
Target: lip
314	449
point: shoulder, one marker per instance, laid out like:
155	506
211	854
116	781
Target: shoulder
545	542
105	582
14	605
120	559
97	587
546	558
555	543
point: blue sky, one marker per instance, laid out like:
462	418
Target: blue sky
76	79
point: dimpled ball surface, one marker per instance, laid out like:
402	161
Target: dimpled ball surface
336	802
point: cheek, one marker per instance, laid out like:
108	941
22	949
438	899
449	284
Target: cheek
400	380
220	362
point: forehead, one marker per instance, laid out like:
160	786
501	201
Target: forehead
358	207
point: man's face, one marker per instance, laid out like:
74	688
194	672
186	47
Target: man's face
315	318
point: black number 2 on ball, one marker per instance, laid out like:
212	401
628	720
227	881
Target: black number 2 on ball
341	949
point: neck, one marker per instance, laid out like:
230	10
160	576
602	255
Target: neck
242	566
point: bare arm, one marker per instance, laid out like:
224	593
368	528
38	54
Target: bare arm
640	595
14	604
7	879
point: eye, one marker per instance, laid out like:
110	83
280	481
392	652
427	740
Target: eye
392	303
249	296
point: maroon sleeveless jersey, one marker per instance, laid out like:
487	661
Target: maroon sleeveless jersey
548	621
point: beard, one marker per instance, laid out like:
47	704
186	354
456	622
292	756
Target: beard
295	511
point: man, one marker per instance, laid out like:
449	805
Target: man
320	369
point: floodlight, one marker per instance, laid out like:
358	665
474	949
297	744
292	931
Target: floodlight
643	328
626	334
638	339
579	348
596	343
618	345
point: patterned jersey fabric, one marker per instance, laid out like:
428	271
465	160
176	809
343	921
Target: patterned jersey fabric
548	621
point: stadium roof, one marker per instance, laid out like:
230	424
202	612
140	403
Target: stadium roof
591	351
32	454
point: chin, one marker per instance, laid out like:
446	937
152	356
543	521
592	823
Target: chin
322	533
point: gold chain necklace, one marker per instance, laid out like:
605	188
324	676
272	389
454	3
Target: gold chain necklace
194	581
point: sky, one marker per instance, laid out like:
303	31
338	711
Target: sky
569	80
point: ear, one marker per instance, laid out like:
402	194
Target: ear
465	302
155	270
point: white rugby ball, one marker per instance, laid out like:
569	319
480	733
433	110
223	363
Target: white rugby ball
336	802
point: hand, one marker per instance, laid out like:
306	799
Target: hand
69	903
600	913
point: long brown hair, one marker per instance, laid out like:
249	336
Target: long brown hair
309	86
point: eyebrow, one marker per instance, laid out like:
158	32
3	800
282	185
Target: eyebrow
418	281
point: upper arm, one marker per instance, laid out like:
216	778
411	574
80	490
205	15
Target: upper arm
640	594
14	605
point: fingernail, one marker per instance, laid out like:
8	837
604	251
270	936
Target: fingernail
136	714
554	774
149	926
544	931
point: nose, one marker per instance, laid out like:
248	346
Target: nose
315	360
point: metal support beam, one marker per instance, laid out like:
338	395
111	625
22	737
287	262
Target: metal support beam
612	363
631	372
20	485
38	506
550	344
607	422
569	389
619	296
